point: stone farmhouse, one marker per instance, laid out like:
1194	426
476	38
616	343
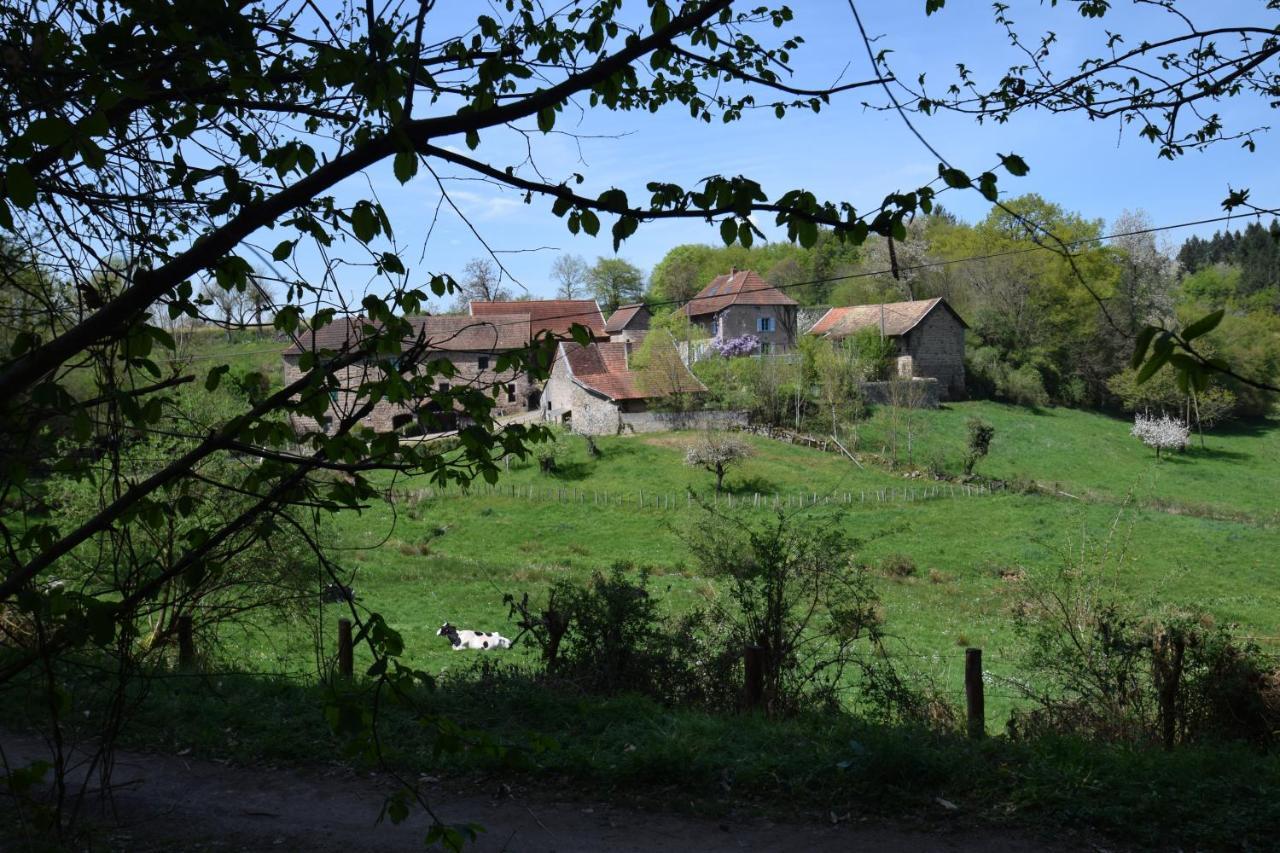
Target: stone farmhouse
629	323
742	303
928	332
597	391
472	344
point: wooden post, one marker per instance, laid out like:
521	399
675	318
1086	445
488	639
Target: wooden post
973	693
753	666
346	660
186	643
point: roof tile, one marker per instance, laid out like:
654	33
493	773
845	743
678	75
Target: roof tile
549	315
898	317
740	287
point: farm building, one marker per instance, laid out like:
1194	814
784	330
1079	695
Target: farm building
597	390
555	316
742	303
928	332
628	323
472	344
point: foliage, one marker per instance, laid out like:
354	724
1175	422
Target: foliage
569	272
549	453
609	637
978	443
661	372
1162	433
1102	666
716	452
614	282
736	347
797	593
874	351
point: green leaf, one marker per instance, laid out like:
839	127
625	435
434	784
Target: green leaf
546	119
282	251
21	188
1148	370
473	140
1204	325
1140	345
215	376
1014	165
581	334
954	178
364	222
728	230
405	166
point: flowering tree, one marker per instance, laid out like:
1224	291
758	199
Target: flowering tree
739	346
716	452
1162	433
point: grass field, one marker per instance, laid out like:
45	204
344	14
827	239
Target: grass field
453	557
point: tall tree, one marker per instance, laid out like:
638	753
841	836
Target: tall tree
569	272
614	282
481	282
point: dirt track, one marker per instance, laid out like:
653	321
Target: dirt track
172	803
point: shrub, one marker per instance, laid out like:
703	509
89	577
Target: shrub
1104	667
792	589
549	455
978	443
609	637
898	566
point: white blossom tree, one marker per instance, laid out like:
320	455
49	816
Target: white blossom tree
1162	433
717	452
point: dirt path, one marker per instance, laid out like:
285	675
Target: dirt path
173	803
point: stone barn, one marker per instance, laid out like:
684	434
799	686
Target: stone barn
928	332
628	323
472	344
596	390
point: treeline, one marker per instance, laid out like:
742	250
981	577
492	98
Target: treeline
1045	326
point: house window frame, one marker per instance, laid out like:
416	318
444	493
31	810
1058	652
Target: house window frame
766	324
482	362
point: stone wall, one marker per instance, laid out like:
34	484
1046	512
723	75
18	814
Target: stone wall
923	392
936	347
650	421
512	390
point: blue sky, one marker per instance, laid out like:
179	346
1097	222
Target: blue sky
845	153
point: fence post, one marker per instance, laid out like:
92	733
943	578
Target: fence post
753	667
973	694
346	659
186	643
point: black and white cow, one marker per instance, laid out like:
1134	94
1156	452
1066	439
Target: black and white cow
482	640
336	592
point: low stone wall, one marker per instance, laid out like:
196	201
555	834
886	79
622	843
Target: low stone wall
923	393
664	421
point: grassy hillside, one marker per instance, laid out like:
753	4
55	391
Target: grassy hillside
453	556
1093	456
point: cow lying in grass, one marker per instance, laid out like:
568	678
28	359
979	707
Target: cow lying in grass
482	640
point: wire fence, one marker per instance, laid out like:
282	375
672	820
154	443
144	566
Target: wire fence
664	501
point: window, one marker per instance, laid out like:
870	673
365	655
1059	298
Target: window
484	362
715	326
333	396
764	324
444	386
511	393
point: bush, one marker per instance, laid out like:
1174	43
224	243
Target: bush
897	566
1106	668
609	637
978	443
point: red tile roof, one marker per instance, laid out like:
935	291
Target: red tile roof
740	287
619	319
549	315
451	333
604	368
898	317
